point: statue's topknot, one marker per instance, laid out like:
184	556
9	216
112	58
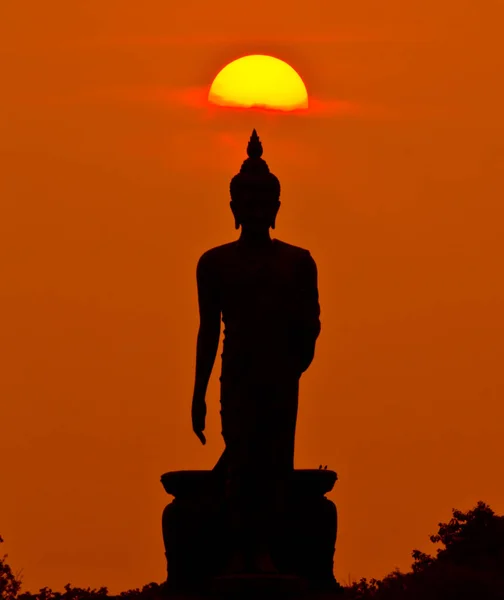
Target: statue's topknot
254	171
254	148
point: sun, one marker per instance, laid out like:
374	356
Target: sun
259	81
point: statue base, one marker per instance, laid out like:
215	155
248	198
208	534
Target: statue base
198	548
249	586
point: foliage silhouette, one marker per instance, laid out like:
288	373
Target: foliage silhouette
469	566
9	583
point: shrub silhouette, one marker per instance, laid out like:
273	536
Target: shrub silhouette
9	583
10	586
469	566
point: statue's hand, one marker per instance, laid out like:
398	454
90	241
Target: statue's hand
198	418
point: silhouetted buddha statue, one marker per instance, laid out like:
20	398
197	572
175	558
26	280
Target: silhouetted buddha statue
266	292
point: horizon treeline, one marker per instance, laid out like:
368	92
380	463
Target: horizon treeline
469	565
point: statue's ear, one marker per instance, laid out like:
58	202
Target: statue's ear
273	220
233	208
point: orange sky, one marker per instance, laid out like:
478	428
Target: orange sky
113	181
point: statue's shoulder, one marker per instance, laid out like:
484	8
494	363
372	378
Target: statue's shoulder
216	256
293	252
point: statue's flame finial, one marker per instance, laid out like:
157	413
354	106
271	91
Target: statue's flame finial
254	148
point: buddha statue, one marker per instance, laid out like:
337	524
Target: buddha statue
265	292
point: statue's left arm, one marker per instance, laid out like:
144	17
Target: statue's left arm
309	310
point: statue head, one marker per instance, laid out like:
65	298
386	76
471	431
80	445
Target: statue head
255	192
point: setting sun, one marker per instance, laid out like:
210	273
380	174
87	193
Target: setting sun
259	81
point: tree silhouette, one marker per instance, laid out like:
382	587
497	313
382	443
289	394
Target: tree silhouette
474	539
9	583
469	567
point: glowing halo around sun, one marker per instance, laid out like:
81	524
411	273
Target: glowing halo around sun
259	81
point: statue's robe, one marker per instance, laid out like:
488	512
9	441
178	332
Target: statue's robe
271	315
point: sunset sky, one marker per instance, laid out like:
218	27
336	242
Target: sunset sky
114	179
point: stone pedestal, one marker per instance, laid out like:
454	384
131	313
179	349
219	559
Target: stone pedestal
255	587
197	543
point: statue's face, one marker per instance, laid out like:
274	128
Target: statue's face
255	210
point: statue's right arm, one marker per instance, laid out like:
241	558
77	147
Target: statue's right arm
209	328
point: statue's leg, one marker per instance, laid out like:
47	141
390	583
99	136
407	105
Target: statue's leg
279	431
235	433
258	426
